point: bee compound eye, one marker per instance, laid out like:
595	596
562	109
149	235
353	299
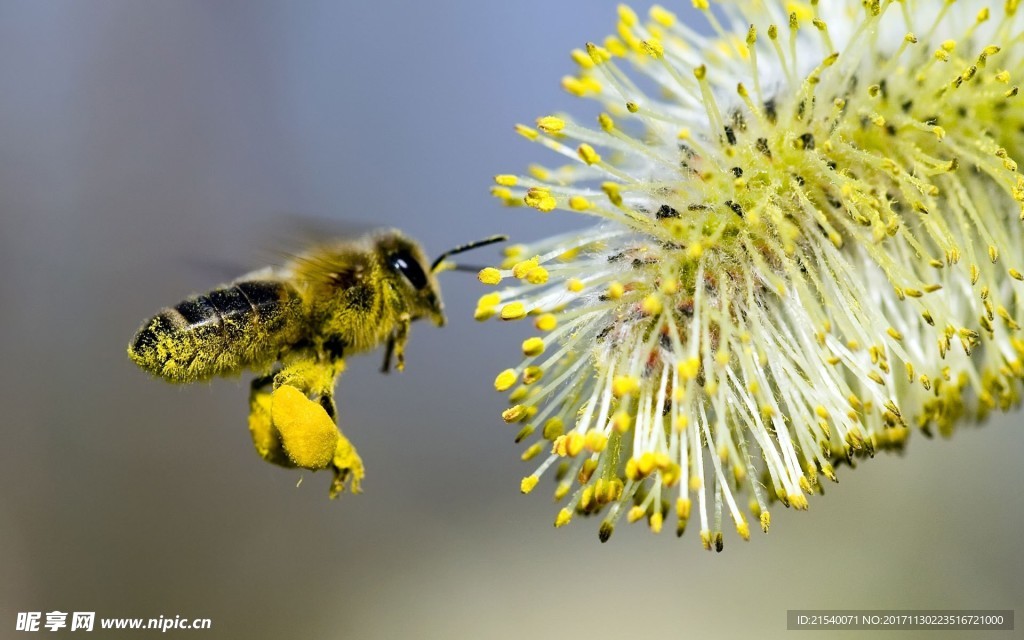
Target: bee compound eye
404	263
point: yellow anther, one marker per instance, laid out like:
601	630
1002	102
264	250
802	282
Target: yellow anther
595	441
651	305
575	285
528	483
550	124
646	464
506	180
513	311
701	5
514	413
505	380
580	57
625	385
894	334
700	72
574	86
587	154
563	518
662	16
622	421
541	199
597	54
682	422
615	47
822	412
553	428
1016	275
653	47
613	191
722	357
546	322
533	347
579	203
489	275
689	368
615	290
655	522
635	514
568	445
539	172
527	132
532	374
537	275
627	15
488	301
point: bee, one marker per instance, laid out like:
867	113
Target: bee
294	326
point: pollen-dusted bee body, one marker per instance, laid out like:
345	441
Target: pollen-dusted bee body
293	326
245	325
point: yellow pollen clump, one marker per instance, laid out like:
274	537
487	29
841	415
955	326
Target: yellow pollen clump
308	434
489	275
505	380
528	483
615	290
513	311
533	347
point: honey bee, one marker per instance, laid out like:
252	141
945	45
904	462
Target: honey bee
294	326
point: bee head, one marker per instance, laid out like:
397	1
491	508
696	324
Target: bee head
405	261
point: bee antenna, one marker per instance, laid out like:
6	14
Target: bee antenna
466	247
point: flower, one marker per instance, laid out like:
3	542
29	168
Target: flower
808	245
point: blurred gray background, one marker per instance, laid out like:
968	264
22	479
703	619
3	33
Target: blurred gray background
139	138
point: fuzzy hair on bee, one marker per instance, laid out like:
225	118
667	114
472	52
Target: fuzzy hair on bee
294	325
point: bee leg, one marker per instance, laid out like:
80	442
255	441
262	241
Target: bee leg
327	402
389	351
400	338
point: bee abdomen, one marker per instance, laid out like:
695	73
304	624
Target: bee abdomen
243	325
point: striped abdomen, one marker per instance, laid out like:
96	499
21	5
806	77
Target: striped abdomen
243	325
